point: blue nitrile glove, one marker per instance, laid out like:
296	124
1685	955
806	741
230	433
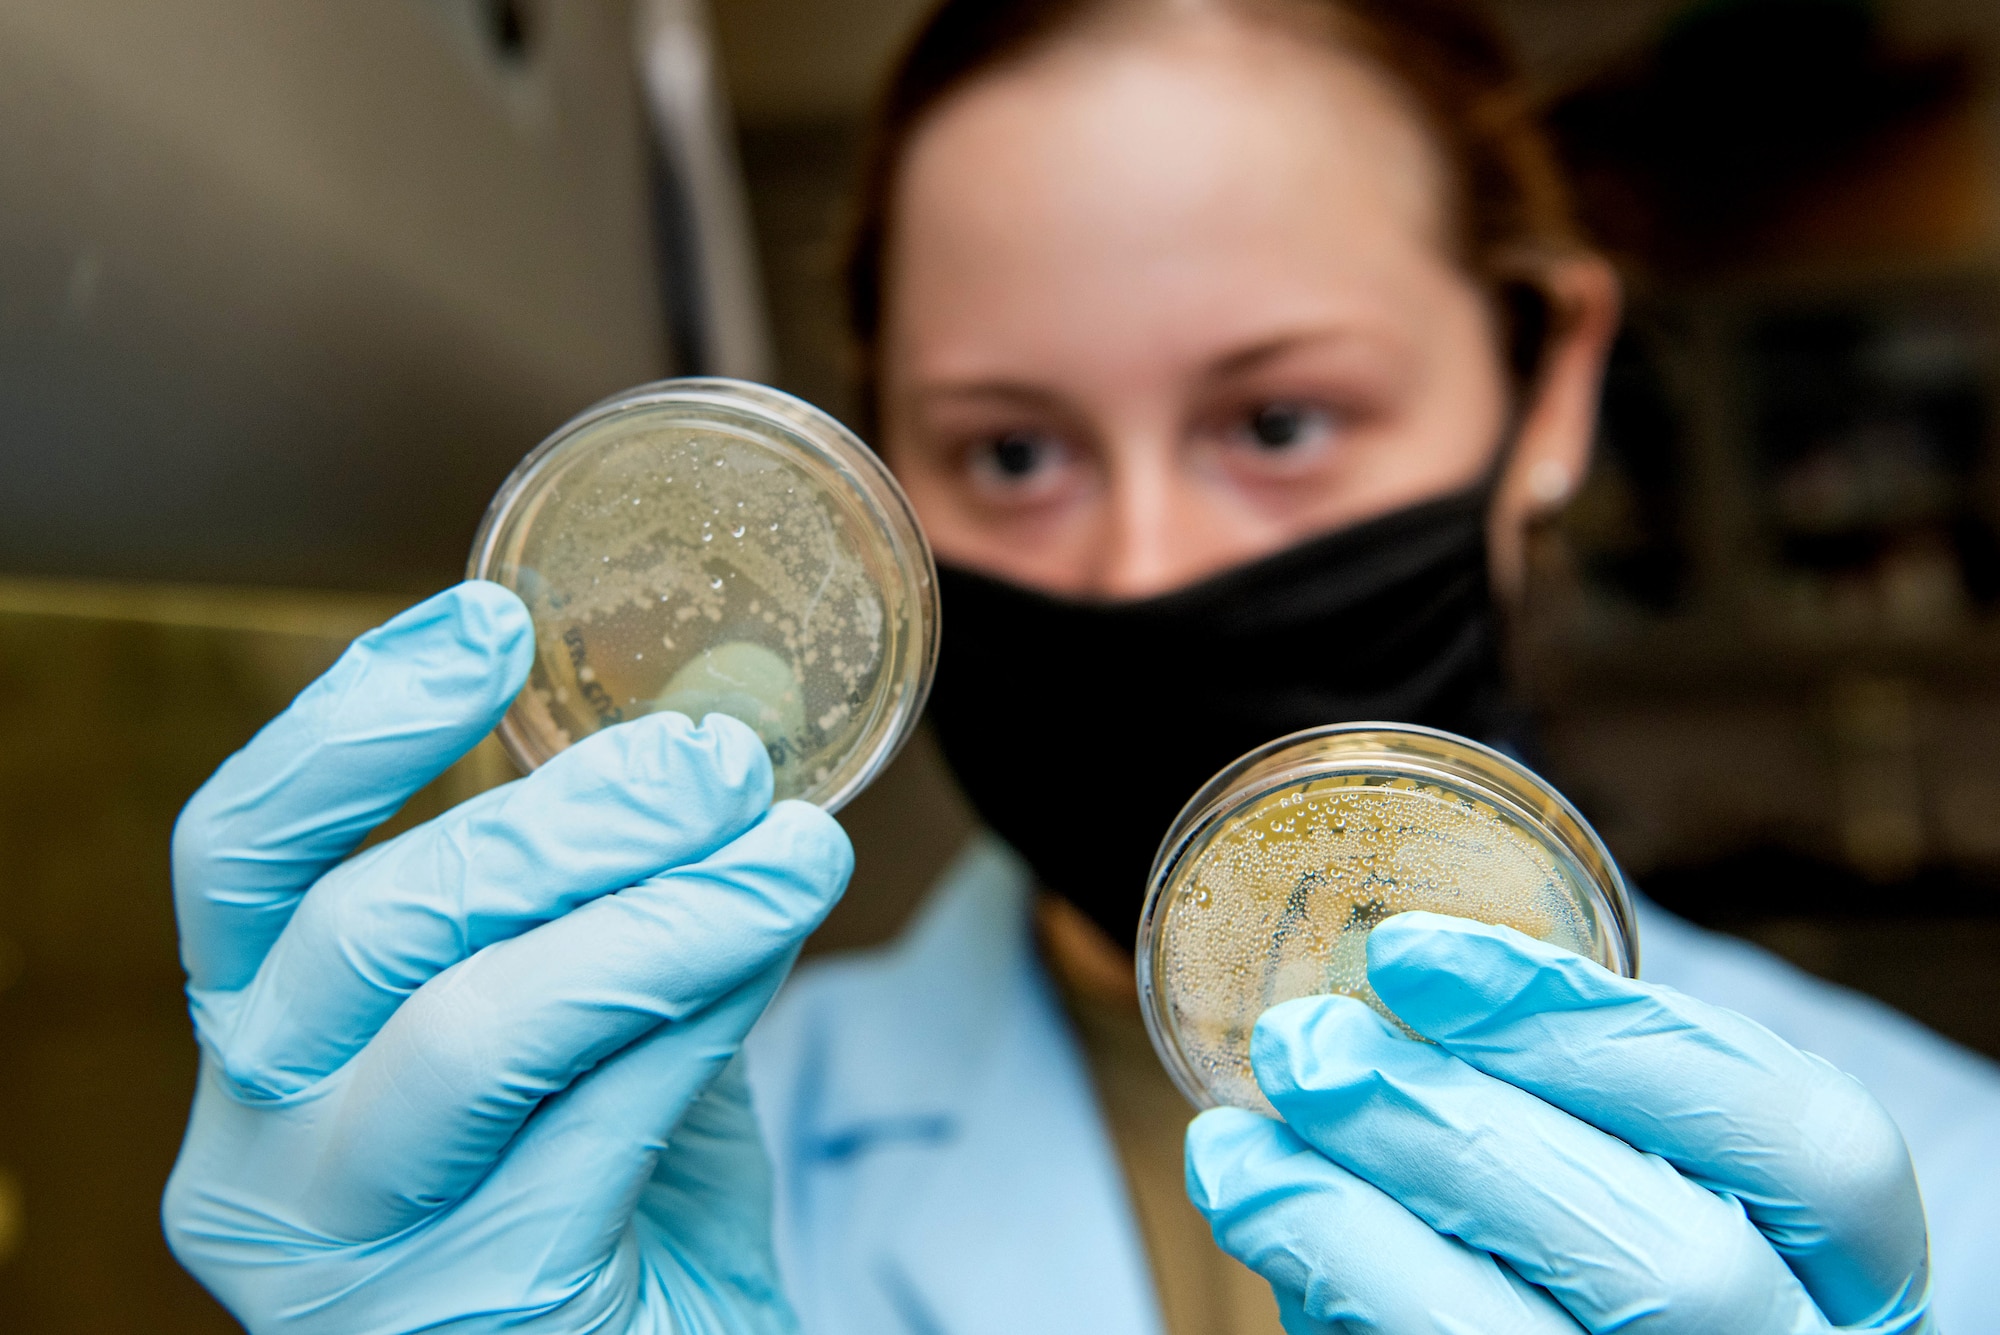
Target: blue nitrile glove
480	1077
1577	1152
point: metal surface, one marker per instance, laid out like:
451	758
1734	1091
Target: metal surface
286	289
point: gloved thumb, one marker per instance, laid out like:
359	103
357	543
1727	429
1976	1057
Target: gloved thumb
405	701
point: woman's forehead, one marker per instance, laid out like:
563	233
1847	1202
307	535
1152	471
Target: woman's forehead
1202	170
1203	100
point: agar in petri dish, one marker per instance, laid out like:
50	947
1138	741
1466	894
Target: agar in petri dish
1270	880
715	546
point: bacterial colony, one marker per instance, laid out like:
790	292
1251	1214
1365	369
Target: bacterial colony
691	571
1278	902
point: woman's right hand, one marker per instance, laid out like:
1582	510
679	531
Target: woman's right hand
1571	1151
480	1076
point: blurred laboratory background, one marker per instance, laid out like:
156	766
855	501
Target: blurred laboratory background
286	290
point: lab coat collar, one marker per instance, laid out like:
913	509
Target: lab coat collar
943	994
1017	1219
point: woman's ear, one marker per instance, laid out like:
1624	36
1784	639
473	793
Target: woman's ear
1559	419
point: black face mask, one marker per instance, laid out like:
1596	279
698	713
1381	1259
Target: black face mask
1079	729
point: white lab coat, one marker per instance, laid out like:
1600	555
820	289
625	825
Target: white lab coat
942	1168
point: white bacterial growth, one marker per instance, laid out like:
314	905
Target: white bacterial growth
699	570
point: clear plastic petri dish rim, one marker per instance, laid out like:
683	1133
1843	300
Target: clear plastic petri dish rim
1201	986
713	545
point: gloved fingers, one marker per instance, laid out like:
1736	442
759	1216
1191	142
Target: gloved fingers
1340	1253
430	1104
1816	1161
1618	1237
612	810
702	1222
551	1229
406	700
709	1203
581	1170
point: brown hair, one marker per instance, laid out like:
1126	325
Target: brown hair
1508	208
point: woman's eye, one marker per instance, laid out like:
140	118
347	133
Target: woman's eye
1018	457
1279	427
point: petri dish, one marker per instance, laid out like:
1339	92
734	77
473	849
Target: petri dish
714	546
1270	879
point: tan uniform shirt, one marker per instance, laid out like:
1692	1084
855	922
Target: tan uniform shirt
1202	1290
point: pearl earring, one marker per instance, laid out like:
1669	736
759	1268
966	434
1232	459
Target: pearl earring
1548	482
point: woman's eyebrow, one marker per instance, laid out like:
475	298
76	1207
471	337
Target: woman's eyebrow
1256	355
1009	392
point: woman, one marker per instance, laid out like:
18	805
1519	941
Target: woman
1224	347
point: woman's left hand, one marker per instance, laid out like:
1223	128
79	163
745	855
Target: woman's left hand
1573	1150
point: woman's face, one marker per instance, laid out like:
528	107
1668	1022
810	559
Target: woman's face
1165	301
